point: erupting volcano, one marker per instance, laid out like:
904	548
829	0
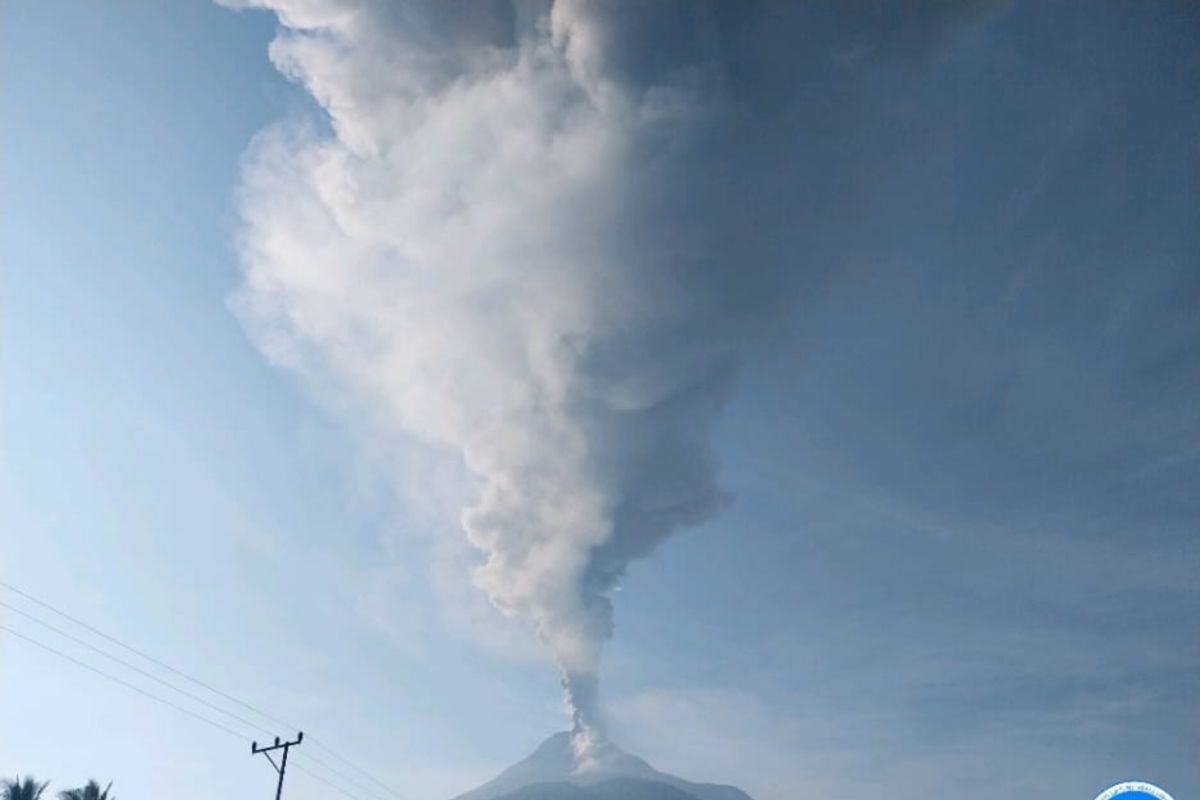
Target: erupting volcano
559	770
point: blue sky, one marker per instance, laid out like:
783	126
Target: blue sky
962	547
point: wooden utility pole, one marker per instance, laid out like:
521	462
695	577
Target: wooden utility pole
282	765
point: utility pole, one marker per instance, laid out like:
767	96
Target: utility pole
282	765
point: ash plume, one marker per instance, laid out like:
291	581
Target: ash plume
543	235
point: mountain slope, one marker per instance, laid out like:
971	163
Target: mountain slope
558	790
552	772
638	789
612	789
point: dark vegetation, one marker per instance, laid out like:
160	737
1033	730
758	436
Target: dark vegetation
30	789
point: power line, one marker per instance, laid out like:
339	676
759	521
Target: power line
123	682
193	680
191	695
135	668
325	781
354	767
253	725
146	656
325	765
163	701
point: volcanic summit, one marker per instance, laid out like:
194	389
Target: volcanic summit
554	771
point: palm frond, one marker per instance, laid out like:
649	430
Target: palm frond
18	789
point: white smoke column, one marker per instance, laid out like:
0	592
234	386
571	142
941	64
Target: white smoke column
537	234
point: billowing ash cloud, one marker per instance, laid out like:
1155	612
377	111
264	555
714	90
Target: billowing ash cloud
543	235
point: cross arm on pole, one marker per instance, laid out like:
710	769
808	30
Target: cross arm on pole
281	767
255	749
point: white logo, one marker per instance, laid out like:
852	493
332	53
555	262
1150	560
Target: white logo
1134	789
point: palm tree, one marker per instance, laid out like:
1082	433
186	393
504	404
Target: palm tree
89	792
28	789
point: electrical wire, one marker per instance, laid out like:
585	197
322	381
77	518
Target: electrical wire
137	669
130	648
146	656
325	781
190	695
123	682
165	702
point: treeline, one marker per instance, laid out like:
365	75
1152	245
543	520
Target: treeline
29	789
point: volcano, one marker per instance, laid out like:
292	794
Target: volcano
554	772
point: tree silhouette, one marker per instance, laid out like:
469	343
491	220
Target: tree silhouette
89	792
29	789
